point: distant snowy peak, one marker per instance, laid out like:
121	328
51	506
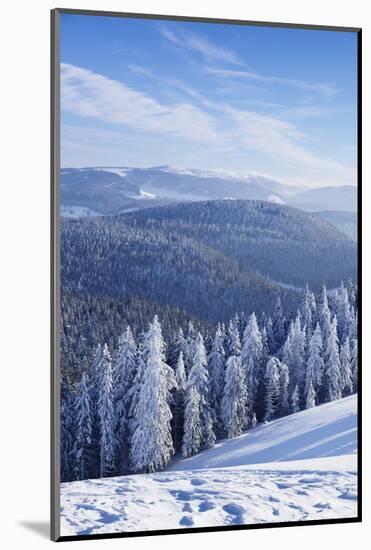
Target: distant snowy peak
114	189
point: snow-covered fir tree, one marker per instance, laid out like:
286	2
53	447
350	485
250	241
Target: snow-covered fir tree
177	406
67	431
179	345
270	339
346	369
192	437
343	314
151	443
299	352
251	357
278	326
124	371
272	388
198	378
216	366
306	310
106	416
233	339
94	390
310	397
332	364
315	365
233	412
189	347
324	314
293	354
83	431
284	382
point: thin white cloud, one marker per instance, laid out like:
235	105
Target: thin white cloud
91	95
201	45
325	88
139	69
282	140
212	128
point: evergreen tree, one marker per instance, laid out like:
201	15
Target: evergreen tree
106	417
284	381
265	350
293	354
94	390
353	326
310	397
251	357
67	431
234	399
177	408
278	325
216	365
343	313
134	391
271	343
324	314
83	430
198	378
315	365
286	354
189	347
179	345
306	310
295	400
233	339
124	371
151	443
272	388
332	364
192	437
346	368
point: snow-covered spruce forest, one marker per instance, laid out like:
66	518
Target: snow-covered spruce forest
132	410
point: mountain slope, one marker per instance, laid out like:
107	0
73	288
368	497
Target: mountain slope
329	430
233	491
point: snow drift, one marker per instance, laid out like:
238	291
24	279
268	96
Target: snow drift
326	431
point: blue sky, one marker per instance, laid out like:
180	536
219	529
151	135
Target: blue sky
275	101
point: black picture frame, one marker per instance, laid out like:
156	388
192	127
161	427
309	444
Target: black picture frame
55	271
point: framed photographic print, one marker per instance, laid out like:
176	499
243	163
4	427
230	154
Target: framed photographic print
206	205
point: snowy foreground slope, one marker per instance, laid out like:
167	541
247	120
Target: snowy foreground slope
301	467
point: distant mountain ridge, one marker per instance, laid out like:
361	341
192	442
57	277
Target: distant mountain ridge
336	198
113	190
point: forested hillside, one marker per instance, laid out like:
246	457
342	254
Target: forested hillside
280	242
121	257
